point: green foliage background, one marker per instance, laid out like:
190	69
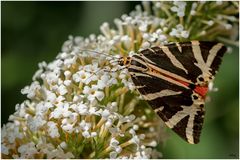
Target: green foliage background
34	31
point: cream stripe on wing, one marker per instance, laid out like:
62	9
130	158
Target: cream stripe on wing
138	68
150	49
175	119
173	59
146	60
189	129
179	47
139	74
212	53
160	70
138	60
198	56
197	52
138	87
162	93
158	109
187	110
158	75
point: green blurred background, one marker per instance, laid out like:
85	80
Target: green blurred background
34	31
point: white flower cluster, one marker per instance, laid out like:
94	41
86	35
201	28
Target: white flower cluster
73	99
179	32
179	8
83	105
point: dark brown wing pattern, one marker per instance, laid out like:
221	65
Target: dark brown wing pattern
174	78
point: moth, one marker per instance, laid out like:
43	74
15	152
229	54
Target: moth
174	80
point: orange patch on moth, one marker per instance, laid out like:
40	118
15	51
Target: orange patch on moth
202	90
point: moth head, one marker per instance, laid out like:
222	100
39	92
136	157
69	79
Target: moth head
124	61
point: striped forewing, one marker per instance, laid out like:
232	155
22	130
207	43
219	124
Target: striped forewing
174	78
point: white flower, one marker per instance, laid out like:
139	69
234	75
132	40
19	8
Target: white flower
106	30
63	145
67	127
118	149
55	66
49	95
93	134
179	8
21	110
184	34
31	90
126	40
193	11
210	22
135	139
113	155
211	87
105	113
82	76
86	134
112	106
50	77
4	149
67	83
27	150
36	122
157	36
85	129
53	129
114	143
69	122
84	125
94	111
135	127
43	107
179	32
109	123
67	74
77	98
143	27
81	108
146	45
104	81
153	144
61	111
93	93
228	26
11	132
69	61
58	153
62	90
92	68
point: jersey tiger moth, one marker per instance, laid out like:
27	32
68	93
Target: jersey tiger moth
174	80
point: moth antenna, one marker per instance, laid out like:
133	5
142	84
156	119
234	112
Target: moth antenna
114	60
93	73
88	50
111	60
122	68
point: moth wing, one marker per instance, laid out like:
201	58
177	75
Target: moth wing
174	104
168	89
197	61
